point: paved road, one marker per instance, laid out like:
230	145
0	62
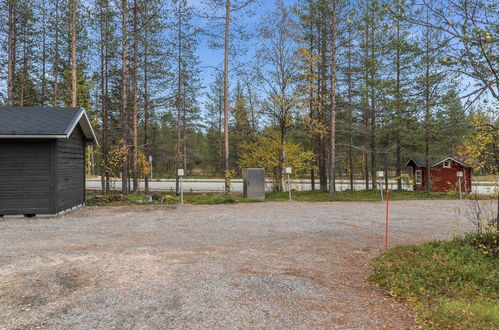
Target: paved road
289	265
217	185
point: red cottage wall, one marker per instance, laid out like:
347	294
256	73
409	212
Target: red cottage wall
419	187
444	179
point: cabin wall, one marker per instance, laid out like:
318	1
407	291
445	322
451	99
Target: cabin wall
445	179
419	187
26	177
71	171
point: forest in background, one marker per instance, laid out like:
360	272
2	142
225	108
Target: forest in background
335	89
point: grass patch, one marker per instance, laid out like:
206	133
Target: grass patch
356	195
96	199
449	284
301	196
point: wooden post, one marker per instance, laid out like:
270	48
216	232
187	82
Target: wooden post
386	222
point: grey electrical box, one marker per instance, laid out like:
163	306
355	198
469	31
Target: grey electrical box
254	183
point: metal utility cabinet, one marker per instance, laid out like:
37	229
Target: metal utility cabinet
254	183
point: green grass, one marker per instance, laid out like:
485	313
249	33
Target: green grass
170	198
302	196
449	284
356	195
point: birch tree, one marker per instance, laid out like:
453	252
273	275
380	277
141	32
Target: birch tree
280	69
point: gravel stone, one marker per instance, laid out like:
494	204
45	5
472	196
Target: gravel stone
262	265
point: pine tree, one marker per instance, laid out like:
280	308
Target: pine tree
124	92
184	42
214	120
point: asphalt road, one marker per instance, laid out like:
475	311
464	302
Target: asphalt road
217	185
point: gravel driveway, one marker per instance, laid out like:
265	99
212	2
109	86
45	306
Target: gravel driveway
262	265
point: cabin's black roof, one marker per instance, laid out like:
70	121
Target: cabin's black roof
43	122
421	162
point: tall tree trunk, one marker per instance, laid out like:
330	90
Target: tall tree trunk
184	135
373	107
11	51
24	73
226	97
103	102
332	95
146	111
366	96
323	155
179	157
311	105
55	101
44	54
124	87
350	106
106	100
135	96
427	109
220	133
73	55
398	95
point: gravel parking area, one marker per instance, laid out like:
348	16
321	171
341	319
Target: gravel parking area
262	265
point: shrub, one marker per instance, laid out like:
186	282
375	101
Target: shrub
450	284
487	243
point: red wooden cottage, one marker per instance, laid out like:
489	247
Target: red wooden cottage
444	174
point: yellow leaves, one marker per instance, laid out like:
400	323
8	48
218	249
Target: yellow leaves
487	35
316	127
228	175
268	153
118	155
143	165
479	146
116	158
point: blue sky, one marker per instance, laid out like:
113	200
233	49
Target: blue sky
214	57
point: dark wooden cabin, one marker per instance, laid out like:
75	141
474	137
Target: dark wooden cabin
42	159
443	174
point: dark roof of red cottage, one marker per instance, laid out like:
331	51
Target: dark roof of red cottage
421	162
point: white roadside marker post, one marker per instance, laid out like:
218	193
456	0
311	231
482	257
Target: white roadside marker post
288	171
460	174
180	173
380	175
150	164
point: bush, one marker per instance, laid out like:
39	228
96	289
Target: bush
450	284
487	243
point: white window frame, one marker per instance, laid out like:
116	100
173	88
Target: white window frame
448	164
419	176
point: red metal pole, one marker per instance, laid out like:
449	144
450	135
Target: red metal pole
386	225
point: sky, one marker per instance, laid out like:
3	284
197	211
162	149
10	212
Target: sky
213	58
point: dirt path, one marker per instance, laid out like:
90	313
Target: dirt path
270	265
